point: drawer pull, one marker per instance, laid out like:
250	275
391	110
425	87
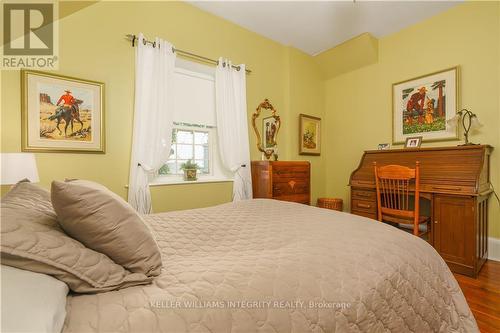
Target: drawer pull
362	205
447	188
362	194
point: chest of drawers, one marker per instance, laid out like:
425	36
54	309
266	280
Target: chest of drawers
282	180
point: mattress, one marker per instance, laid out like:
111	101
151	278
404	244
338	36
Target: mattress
272	266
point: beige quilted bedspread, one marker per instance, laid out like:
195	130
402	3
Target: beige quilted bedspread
270	266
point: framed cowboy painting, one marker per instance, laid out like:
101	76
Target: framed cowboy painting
422	106
61	113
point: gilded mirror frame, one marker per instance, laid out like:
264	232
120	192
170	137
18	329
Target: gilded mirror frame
266	105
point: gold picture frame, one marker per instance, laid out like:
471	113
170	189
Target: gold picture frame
309	135
61	114
423	105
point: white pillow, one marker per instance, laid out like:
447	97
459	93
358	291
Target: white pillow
32	302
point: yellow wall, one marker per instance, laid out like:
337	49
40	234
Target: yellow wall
358	103
306	96
352	54
353	98
92	46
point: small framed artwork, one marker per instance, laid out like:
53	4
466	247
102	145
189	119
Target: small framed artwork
310	135
423	105
384	146
61	113
269	132
413	142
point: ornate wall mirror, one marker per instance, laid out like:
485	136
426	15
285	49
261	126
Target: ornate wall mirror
267	136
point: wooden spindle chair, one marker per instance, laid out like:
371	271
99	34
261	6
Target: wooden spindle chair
393	196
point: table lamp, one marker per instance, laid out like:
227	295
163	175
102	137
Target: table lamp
469	122
18	166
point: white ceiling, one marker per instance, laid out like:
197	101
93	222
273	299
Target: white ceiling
316	26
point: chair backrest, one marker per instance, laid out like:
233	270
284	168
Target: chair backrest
393	190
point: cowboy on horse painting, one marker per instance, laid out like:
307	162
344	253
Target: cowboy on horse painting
68	100
68	111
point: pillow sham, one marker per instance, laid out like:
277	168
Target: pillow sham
31	239
106	223
32	302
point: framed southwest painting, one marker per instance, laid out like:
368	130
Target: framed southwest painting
421	107
310	135
61	114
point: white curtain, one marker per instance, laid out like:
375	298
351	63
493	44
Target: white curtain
232	126
154	72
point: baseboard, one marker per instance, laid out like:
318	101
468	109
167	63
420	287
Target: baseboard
494	248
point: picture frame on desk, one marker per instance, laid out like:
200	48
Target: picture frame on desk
413	142
383	146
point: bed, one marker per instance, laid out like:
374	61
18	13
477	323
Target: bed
272	266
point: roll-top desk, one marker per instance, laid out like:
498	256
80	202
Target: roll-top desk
456	181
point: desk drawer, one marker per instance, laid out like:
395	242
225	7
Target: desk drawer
365	214
459	189
364	195
363	206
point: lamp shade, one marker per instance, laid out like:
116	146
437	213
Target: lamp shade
475	123
452	122
18	166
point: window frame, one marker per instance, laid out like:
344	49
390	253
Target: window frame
197	128
217	173
212	176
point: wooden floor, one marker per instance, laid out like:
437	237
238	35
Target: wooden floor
483	296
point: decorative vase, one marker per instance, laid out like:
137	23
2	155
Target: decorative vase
190	174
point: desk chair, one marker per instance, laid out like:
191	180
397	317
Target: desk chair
393	201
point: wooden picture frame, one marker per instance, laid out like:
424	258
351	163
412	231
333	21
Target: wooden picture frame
309	135
61	114
423	105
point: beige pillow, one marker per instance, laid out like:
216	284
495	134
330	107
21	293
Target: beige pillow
31	239
106	223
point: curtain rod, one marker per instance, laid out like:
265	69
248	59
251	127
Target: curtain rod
133	39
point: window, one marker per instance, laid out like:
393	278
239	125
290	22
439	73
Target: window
188	144
194	134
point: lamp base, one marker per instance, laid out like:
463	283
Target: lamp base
469	144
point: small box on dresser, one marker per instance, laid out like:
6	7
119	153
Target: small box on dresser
282	180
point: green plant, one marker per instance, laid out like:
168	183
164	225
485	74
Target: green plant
164	170
189	165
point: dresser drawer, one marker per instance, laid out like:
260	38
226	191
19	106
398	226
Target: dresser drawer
284	174
363	206
299	198
364	195
291	187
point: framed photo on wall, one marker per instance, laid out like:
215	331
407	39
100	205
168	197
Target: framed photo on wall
61	113
309	135
422	105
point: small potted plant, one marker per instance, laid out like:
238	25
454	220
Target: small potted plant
190	170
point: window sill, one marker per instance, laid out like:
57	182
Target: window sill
165	181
